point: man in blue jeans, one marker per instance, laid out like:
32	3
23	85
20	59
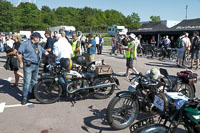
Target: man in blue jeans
30	54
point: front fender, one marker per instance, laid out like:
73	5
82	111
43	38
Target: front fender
125	93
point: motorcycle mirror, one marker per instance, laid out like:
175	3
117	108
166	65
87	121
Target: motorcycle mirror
164	72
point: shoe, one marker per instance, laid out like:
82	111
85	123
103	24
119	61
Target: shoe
197	68
14	86
24	101
190	67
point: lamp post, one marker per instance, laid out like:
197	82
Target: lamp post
186	15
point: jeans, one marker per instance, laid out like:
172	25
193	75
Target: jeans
30	78
1	47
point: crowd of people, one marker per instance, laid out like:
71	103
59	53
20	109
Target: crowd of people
27	54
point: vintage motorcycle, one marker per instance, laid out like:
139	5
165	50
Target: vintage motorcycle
176	112
126	105
100	83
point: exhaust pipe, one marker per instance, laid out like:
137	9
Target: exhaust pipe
93	87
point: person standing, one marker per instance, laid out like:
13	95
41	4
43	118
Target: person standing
187	44
29	56
180	49
101	42
2	42
195	50
124	44
172	44
97	43
48	47
114	45
91	48
76	46
62	49
153	41
14	61
83	41
167	42
131	54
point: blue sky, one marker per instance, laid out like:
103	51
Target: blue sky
166	9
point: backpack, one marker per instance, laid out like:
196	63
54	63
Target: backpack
197	43
179	43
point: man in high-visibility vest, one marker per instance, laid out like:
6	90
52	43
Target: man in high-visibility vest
76	45
131	54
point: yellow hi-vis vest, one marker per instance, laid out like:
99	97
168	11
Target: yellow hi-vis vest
134	52
74	46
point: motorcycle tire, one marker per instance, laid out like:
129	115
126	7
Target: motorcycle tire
186	89
129	105
153	128
47	91
104	92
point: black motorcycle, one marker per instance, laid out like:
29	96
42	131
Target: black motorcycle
176	113
125	106
75	84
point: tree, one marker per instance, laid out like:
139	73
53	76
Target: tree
133	21
155	19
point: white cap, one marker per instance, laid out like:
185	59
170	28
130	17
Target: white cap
132	36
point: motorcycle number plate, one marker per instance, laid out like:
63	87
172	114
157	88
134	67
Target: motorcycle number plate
159	103
136	126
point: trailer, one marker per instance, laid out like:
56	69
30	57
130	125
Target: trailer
114	30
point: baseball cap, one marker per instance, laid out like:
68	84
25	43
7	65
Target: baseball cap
36	34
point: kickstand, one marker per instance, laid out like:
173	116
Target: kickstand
73	101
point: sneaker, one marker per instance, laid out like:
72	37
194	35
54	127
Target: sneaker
24	101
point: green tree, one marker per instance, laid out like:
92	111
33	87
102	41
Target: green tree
133	21
155	19
6	16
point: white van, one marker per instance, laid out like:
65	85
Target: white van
114	30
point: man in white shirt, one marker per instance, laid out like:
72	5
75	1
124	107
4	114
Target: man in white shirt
187	44
97	42
62	48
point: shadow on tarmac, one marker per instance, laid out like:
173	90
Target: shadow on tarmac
99	122
161	64
6	88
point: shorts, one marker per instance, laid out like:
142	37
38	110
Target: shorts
90	58
195	53
129	62
180	53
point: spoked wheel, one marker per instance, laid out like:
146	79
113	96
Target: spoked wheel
103	92
173	56
122	111
47	91
185	89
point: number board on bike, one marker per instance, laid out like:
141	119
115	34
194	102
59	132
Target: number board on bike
140	124
159	103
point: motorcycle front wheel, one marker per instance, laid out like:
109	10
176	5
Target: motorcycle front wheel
122	111
47	91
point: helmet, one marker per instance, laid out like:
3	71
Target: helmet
79	60
66	63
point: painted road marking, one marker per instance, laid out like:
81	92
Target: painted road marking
9	79
3	106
